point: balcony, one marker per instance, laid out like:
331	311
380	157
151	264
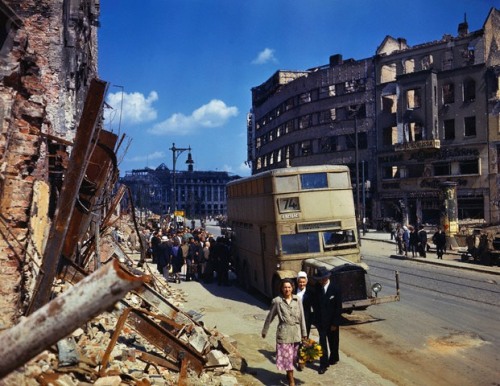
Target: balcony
418	145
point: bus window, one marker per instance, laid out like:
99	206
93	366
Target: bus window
339	180
313	181
300	243
334	238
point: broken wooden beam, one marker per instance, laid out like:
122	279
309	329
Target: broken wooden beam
64	314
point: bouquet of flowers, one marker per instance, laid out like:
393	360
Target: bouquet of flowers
309	351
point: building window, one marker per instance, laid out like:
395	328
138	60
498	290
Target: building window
305	148
391	172
305	98
469	167
448	93
390	136
328	144
389	104
362	141
388	73
327	91
449	129
415	171
469	90
442	169
305	121
409	66
413	99
289	104
427	62
470	126
327	116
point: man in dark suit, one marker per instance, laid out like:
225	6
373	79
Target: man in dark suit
327	311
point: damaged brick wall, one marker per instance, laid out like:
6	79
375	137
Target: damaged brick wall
48	55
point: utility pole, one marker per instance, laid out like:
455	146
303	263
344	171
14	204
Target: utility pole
176	152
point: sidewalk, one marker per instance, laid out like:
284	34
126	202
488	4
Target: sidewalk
450	258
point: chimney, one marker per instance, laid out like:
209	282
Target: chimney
335	60
463	28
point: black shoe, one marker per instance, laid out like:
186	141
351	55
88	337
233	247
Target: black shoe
333	361
322	370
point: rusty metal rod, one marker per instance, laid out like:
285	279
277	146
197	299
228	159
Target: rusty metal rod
64	314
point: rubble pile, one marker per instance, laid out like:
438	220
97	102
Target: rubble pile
133	360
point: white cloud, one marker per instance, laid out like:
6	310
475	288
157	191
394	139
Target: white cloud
148	157
136	107
265	56
214	114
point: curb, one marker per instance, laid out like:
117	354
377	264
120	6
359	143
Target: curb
444	263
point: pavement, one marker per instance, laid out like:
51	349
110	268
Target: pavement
452	258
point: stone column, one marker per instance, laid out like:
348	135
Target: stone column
449	214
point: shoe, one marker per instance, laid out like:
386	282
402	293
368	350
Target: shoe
333	361
322	370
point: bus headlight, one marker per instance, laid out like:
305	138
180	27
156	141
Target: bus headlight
376	288
278	266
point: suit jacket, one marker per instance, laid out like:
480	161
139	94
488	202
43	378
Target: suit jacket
328	306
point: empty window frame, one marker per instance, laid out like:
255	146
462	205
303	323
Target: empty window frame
388	73
390	136
442	169
362	141
469	166
305	121
470	126
413	99
328	144
448	93
389	104
305	148
449	129
469	89
427	62
305	98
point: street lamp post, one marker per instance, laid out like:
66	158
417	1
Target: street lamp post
176	152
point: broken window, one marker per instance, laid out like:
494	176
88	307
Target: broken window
469	166
442	169
328	144
449	129
305	98
305	148
416	131
391	172
327	116
305	121
351	141
470	126
327	91
415	171
427	62
448	93
469	90
388	73
409	66
289	104
390	136
413	98
389	104
448	60
278	155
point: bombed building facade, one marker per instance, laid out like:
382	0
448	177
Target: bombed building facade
48	56
405	121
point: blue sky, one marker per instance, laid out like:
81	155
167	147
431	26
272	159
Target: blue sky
181	71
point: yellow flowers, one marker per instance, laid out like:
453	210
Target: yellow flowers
309	351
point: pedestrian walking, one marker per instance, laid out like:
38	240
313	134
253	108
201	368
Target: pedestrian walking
327	311
422	241
439	240
291	328
413	240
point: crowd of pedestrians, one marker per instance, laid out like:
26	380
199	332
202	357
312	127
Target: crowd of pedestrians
182	253
414	240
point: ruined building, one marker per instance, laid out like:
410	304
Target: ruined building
48	57
404	121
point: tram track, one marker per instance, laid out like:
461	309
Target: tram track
456	286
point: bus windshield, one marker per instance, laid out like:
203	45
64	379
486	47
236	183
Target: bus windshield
338	239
